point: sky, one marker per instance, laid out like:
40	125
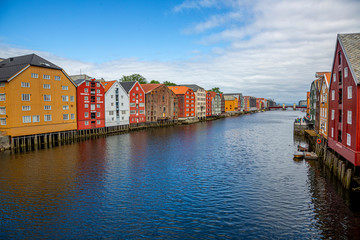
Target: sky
262	48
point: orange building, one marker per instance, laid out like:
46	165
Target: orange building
186	101
36	96
231	103
308	104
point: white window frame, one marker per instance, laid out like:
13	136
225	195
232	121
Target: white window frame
25	84
348	139
86	123
86	114
334	77
45	76
3	121
346	72
26	119
47	118
57	78
2	110
98	122
72	116
47	98
72	98
349	117
25	97
332	132
65	107
349	92
36	118
65	98
46	86
98	114
65	88
65	116
26	108
47	107
2	84
86	105
333	95
2	97
34	75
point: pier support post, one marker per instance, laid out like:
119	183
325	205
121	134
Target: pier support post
348	178
342	177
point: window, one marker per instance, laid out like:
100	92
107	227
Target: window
112	104
65	98
25	97
111	113
2	97
57	78
98	84
349	117
26	119
47	98
92	107
346	72
123	112
340	77
98	90
25	84
47	107
98	121
26	108
121	95
36	118
332	114
349	92
86	90
348	139
142	104
65	116
72	98
66	107
132	104
340	115
86	98
34	75
2	84
2	110
132	112
137	88
340	96
339	57
46	76
47	117
98	105
64	87
86	123
46	86
332	132
98	114
87	84
141	111
332	94
2	121
86	105
98	98
72	116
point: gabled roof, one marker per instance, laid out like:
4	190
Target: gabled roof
351	44
149	87
127	85
13	65
179	89
194	87
107	85
229	98
80	76
78	82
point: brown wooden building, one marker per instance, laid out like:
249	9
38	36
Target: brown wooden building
161	103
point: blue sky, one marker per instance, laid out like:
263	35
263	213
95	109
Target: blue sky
262	48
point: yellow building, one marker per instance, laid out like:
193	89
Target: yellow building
231	103
36	96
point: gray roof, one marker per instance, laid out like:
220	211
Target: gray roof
351	44
79	81
229	98
127	85
80	76
11	66
194	87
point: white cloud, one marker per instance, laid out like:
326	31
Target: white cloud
275	54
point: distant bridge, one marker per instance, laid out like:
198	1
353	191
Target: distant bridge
287	106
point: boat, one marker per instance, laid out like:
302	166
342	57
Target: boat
298	155
302	149
310	155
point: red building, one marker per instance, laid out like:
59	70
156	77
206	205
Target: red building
209	97
90	104
344	103
137	101
186	101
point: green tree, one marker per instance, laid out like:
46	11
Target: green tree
134	77
154	82
167	83
215	89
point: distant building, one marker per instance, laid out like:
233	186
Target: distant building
250	103
261	103
231	103
36	96
137	101
90	104
302	103
209	96
161	103
323	103
240	99
186	101
344	92
313	96
200	94
308	105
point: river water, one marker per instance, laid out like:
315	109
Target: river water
233	178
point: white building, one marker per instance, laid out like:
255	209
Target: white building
117	108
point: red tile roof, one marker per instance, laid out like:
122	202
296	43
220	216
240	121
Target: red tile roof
179	89
149	87
107	85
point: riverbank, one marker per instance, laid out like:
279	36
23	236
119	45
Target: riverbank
48	140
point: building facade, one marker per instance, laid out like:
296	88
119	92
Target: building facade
90	104
161	103
230	103
313	94
36	97
249	103
209	97
117	104
240	99
200	95
186	101
344	125
324	99
136	100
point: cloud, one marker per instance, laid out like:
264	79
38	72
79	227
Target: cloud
273	51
